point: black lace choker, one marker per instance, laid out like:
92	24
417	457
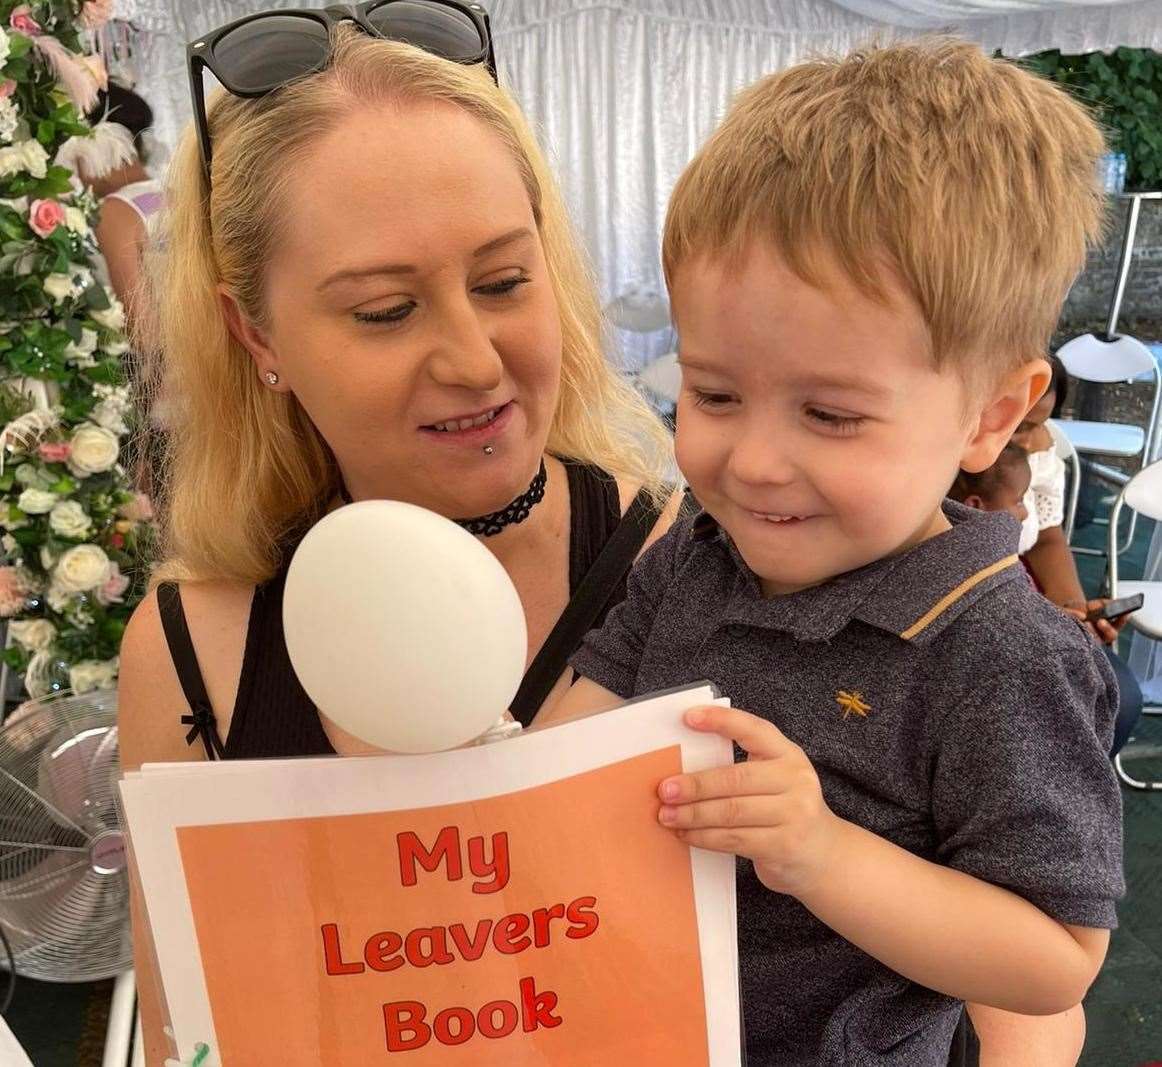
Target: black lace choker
488	525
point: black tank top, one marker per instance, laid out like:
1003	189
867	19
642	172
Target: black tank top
274	717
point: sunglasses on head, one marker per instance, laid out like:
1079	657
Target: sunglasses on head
259	53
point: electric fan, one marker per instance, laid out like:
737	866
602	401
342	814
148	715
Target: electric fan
64	888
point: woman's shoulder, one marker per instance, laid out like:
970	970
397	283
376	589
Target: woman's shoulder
627	489
151	698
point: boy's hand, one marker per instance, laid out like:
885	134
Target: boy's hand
1105	630
769	809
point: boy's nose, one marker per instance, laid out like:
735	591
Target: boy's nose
762	457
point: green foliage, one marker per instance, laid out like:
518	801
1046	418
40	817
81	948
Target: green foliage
1124	89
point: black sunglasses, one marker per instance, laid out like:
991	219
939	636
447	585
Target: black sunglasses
257	54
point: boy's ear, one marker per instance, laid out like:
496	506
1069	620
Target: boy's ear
250	337
974	501
1010	402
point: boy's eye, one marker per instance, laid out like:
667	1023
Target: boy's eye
833	423
503	287
710	400
396	313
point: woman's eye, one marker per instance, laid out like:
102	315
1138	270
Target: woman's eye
711	400
833	423
397	313
504	287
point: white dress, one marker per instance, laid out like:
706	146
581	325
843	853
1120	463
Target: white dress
1045	497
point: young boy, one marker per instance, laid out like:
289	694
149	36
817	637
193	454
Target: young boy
1002	487
865	262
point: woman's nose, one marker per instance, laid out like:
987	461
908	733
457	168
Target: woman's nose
463	353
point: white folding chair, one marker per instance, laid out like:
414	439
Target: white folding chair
1063	446
1142	495
1106	358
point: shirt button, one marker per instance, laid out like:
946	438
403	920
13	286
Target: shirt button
737	629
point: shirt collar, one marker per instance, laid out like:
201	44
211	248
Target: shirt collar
915	595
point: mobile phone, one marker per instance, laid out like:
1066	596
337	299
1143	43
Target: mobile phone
1113	609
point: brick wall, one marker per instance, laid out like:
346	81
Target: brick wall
1088	303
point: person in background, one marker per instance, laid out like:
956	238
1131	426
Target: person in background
1001	487
129	198
1045	549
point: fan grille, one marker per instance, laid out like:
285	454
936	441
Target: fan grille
64	889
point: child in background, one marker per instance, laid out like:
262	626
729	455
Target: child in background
1002	487
865	262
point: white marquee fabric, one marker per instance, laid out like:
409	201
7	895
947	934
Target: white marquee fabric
624	92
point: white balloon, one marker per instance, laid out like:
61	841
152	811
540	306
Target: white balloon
402	627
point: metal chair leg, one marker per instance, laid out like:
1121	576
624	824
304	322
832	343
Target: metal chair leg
1133	783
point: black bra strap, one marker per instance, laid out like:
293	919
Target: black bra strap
201	721
610	566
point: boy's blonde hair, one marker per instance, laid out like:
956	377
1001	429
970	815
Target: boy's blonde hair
972	179
244	468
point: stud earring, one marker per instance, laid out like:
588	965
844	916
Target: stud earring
271	378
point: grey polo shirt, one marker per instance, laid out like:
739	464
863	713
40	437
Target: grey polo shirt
945	705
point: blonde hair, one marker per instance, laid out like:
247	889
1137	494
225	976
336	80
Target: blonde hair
244	468
972	179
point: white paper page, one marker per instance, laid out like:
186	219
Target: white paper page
163	797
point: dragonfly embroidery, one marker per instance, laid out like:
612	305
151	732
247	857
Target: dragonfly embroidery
852	704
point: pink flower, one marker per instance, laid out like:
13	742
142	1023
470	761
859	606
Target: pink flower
7	88
113	591
96	13
139	509
117	541
13	591
44	216
23	22
55	451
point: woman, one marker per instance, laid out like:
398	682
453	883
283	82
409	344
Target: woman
369	290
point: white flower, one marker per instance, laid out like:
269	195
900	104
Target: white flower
5	47
59	287
80	353
36	501
18	204
112	408
70	520
60	600
62	287
80	569
75	220
115	348
48	558
27	155
11	545
113	317
36	674
93	674
33	635
95	449
9	118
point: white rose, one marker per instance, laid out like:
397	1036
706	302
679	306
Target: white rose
11	545
69	519
59	287
11	161
35	157
80	569
93	674
9	119
113	317
110	414
36	502
80	353
33	635
75	220
18	204
60	600
48	558
5	47
36	674
95	449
